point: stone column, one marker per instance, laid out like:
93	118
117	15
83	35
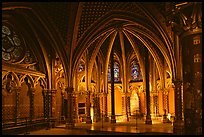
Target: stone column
192	60
47	94
76	108
88	116
128	105
165	105
155	108
148	116
96	107
178	125
88	92
165	95
62	117
125	105
17	103
32	94
69	121
53	110
188	30
45	103
101	105
197	89
113	120
105	99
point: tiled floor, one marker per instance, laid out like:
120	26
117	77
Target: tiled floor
157	128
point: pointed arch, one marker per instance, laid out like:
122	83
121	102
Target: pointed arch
14	76
29	77
131	20
42	82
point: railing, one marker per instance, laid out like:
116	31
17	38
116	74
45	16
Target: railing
25	125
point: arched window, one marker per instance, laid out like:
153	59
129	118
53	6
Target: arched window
135	71
81	66
116	72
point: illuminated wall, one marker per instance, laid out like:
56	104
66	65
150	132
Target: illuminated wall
134	103
118	102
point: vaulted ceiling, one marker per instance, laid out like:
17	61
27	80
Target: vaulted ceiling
76	18
93	25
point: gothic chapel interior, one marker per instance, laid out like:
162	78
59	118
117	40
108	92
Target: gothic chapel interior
72	62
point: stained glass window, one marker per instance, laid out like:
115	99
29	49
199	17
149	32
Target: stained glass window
116	72
109	73
81	66
135	71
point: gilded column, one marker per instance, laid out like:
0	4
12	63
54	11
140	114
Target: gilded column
178	125
17	103
69	121
148	116
192	58
155	92
105	99
53	102
98	89
96	107
88	92
32	93
188	30
76	108
165	95
155	108
113	120
197	82
101	105
45	103
47	106
128	104
88	116
165	105
125	105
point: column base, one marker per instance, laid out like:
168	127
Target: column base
113	120
148	120
178	127
165	119
88	120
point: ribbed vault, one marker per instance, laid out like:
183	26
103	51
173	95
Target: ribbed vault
119	30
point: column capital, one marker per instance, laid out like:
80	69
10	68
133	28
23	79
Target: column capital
75	94
154	92
88	92
104	94
165	91
176	82
46	90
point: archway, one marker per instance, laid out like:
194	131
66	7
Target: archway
134	103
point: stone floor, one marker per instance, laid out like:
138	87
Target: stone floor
104	128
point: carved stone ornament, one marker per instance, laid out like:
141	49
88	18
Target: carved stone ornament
10	86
